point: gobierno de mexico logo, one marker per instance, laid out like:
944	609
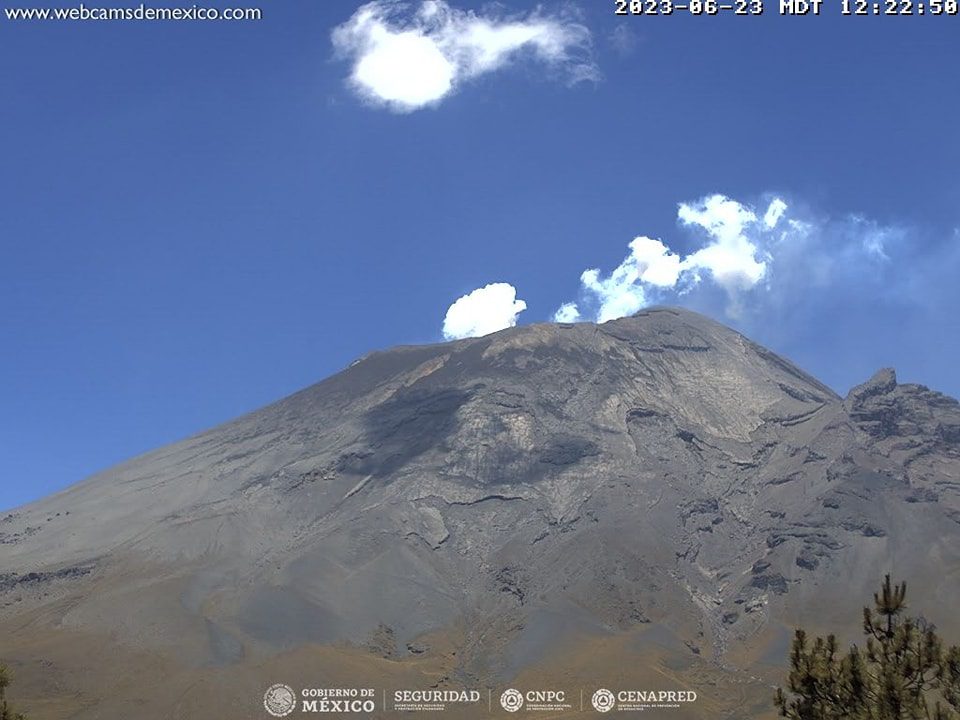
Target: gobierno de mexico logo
280	700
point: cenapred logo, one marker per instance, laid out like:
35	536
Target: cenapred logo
603	700
511	700
280	700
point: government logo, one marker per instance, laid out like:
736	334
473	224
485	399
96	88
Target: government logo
603	700
511	700
280	700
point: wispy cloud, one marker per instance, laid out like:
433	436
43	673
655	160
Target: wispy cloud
761	256
624	40
407	57
650	264
483	311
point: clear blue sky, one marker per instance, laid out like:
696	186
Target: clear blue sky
198	218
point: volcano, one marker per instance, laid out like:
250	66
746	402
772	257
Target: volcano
654	503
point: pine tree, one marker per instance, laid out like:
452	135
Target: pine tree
904	673
6	712
949	676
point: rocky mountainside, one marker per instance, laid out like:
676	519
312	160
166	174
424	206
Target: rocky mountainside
654	499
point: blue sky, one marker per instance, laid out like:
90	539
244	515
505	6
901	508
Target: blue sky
198	218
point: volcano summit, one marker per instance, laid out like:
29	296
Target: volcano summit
651	503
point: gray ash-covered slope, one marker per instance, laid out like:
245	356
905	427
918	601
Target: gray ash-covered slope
514	492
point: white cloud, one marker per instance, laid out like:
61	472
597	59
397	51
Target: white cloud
731	256
618	296
775	257
483	311
775	211
624	291
732	259
765	263
406	60
567	313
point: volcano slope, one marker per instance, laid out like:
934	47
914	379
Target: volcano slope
649	503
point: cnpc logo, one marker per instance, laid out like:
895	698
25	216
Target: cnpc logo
513	700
